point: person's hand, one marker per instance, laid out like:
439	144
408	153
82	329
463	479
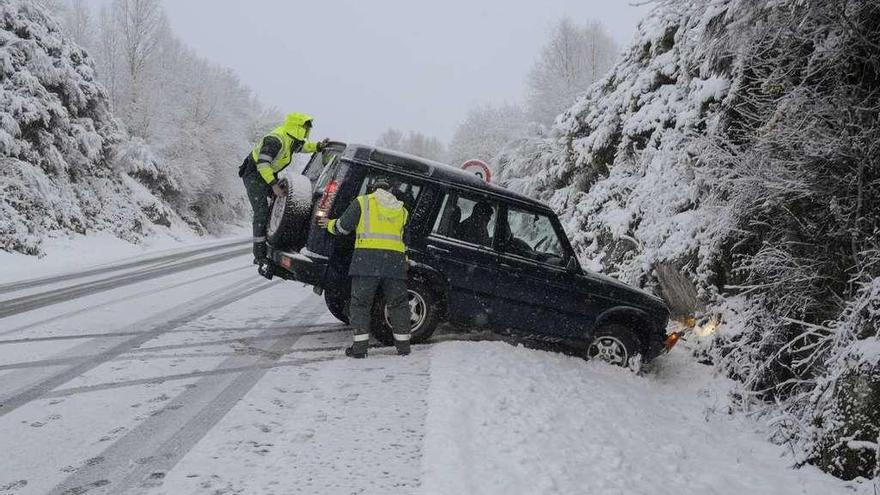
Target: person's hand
279	190
322	144
323	221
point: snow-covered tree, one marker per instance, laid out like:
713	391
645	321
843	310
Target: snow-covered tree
142	27
78	23
574	57
391	139
414	143
198	118
66	165
485	132
735	146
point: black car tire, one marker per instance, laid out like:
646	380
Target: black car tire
615	343
423	302
289	215
337	305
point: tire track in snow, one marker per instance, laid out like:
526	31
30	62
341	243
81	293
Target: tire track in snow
109	303
36	282
82	336
169	320
31	302
157	444
137	353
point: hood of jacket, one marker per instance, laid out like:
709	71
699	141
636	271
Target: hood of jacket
387	200
295	125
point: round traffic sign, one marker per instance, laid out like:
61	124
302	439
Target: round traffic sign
478	168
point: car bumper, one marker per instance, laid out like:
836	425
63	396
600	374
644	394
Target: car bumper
298	266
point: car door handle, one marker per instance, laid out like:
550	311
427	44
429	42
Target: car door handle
438	250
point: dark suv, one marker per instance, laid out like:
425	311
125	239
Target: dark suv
479	256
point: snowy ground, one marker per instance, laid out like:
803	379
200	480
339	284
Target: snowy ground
184	372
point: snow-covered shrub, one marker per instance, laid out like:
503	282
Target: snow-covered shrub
59	142
737	142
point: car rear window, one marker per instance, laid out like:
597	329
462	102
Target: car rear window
319	163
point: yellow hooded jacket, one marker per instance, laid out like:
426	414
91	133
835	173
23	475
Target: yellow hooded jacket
293	135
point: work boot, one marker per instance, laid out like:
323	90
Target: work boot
260	253
401	342
349	351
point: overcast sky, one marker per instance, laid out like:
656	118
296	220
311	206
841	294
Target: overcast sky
361	66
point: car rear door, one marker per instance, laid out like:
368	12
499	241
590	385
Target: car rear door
467	260
536	294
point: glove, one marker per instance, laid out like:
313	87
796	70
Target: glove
278	190
322	144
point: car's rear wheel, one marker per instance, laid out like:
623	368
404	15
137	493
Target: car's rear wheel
289	216
424	315
616	344
336	304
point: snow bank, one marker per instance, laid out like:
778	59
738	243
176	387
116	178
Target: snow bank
504	420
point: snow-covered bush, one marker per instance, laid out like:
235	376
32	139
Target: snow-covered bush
60	147
737	142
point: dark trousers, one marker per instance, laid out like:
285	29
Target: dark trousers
363	290
258	193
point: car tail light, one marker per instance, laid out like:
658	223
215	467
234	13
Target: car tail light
327	199
671	340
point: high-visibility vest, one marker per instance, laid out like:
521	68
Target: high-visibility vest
380	227
292	130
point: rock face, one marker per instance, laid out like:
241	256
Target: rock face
729	163
66	165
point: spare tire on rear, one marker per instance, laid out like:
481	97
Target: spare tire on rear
289	219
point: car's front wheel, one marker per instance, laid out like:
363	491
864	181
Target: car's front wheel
424	315
615	344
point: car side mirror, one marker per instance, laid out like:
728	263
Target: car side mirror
572	265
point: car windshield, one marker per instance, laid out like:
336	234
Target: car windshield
531	235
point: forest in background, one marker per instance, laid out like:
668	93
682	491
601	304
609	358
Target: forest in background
574	56
196	117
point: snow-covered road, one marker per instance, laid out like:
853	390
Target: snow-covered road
185	372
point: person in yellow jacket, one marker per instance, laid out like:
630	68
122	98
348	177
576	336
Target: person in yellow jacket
377	220
259	172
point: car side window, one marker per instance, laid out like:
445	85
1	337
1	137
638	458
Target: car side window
531	235
467	219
